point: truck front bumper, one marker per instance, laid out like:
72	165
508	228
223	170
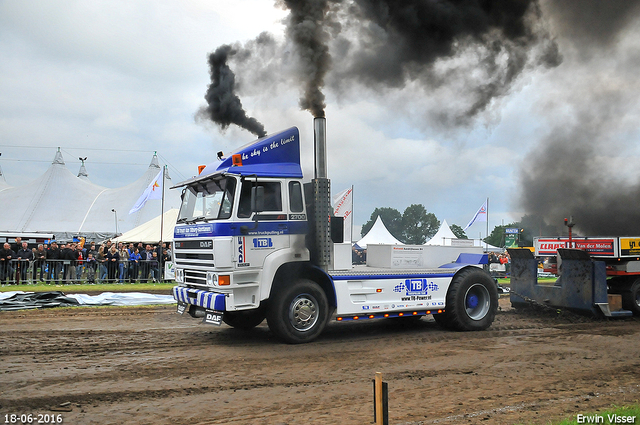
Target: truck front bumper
205	299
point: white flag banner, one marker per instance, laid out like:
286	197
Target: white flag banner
153	191
481	215
343	207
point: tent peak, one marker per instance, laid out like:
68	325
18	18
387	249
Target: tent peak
154	161
83	172
58	159
378	234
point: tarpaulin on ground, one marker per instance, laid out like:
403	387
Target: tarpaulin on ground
123	298
28	300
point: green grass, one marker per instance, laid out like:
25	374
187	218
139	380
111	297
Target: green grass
632	410
101	287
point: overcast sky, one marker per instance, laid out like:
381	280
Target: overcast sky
114	81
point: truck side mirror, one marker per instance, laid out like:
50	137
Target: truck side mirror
257	199
337	229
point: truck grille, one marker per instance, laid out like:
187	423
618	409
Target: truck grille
195	256
190	256
195	277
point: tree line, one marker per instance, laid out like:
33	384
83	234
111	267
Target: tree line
415	226
530	226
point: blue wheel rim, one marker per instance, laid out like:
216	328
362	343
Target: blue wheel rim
477	301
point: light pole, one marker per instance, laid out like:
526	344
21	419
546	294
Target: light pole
113	210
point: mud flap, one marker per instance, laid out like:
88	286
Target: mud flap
212	317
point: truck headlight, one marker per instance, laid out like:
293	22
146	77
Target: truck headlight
212	279
180	275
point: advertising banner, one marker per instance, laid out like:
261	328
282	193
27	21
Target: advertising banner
597	247
169	271
630	247
510	240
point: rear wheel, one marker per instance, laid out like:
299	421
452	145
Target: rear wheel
631	298
298	313
441	320
472	301
244	319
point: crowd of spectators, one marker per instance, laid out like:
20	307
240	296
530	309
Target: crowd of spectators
74	262
499	264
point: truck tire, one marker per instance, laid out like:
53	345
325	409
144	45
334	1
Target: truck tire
244	320
298	313
472	301
631	298
441	320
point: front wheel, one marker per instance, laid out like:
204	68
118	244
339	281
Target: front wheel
472	301
298	313
244	320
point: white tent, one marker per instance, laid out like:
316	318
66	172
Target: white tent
3	182
149	232
443	236
67	205
378	234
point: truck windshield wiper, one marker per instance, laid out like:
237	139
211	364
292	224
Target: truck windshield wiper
195	219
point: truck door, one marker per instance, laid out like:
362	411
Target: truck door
262	232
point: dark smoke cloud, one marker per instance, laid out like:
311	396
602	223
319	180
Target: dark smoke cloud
224	106
594	23
307	26
579	168
399	42
383	45
404	33
567	176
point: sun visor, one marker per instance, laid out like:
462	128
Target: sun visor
276	155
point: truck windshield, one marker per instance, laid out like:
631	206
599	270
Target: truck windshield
208	200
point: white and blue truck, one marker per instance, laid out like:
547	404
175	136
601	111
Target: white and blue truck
253	240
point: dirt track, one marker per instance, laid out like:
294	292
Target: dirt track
149	365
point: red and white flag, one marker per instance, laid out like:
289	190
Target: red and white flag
481	215
343	207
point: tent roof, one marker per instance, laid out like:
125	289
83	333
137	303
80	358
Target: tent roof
3	182
62	203
149	232
443	234
377	235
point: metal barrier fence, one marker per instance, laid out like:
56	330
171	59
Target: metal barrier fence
68	271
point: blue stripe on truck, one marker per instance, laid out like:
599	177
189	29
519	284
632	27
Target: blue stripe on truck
391	276
200	298
278	227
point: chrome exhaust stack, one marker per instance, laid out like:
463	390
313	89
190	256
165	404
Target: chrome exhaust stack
320	146
322	196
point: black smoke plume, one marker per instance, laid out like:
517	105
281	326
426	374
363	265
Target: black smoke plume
385	45
579	168
224	106
306	27
488	44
